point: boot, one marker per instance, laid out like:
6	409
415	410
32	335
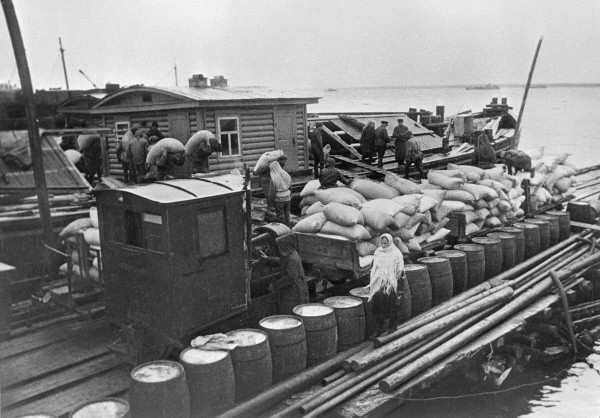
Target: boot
376	330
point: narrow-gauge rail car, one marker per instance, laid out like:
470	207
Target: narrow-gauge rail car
174	255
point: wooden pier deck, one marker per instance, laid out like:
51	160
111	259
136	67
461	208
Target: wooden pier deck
54	359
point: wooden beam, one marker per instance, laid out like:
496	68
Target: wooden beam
341	142
359	164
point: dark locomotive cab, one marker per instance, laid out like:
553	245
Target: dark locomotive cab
174	255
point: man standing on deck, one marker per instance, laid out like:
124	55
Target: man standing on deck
137	150
382	139
316	148
400	139
413	155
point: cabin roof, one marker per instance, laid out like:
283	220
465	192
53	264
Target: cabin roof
61	174
186	97
179	190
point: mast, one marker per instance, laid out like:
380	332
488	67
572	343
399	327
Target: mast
34	137
515	140
175	68
62	55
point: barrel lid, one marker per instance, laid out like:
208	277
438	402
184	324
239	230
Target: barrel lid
103	408
556	213
468	247
40	415
280	322
486	240
546	217
537	221
193	355
510	229
360	292
524	225
412	267
247	337
432	260
341	302
501	235
157	371
312	309
450	253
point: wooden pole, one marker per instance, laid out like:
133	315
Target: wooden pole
62	55
34	137
518	127
565	304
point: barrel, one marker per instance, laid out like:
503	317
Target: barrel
287	340
509	249
458	262
419	284
544	232
251	360
350	317
321	331
159	389
211	381
519	241
105	408
405	301
475	263
440	274
582	212
363	294
492	251
564	223
553	226
532	238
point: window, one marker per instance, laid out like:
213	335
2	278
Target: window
120	129
144	230
146	97
229	135
212	233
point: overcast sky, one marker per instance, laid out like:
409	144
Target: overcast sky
305	43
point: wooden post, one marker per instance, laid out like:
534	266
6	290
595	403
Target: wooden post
439	110
34	137
7	275
515	139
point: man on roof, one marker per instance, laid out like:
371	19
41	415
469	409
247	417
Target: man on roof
382	139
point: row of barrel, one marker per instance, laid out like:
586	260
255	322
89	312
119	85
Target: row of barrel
206	383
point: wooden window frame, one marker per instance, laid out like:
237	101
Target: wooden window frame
118	135
238	132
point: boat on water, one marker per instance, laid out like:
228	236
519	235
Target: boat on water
488	86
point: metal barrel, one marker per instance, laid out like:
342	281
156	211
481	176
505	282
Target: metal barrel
475	263
532	238
159	389
287	340
321	331
519	241
440	274
564	222
458	262
252	364
509	249
350	318
419	284
363	294
211	381
492	251
544	232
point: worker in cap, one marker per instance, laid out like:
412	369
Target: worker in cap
316	148
400	139
382	139
367	143
137	150
331	175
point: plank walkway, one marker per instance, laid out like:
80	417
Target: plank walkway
54	360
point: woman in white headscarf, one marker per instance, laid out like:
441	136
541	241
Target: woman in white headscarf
387	270
281	183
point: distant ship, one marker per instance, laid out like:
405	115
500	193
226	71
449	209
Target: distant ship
331	90
538	86
488	86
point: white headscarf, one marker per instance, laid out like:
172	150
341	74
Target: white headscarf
388	265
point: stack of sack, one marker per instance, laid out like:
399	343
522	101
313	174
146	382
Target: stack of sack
553	180
487	198
91	235
367	209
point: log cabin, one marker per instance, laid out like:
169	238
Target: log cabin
248	121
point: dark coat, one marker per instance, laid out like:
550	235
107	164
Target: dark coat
400	139
367	140
484	155
382	138
316	144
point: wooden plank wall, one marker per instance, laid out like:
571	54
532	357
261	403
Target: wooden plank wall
257	133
